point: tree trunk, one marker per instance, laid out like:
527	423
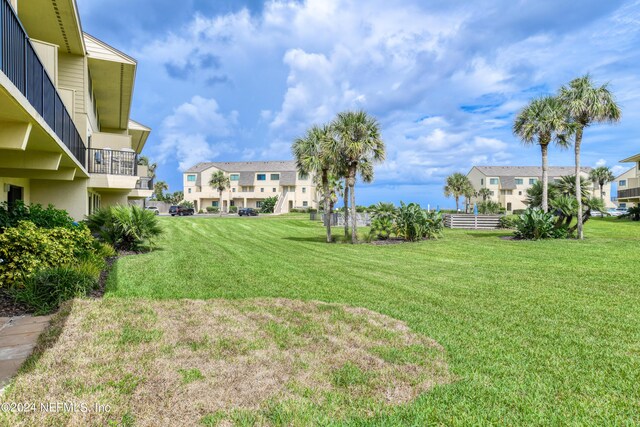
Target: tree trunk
327	201
545	177
221	203
346	209
354	218
578	188
601	190
457	198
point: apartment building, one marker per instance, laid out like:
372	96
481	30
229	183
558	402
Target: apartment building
66	137
628	184
509	184
251	183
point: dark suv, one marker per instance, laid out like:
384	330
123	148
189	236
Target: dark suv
180	211
247	212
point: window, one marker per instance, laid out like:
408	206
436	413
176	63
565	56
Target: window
234	177
532	181
262	190
275	177
493	193
519	193
506	192
303	176
481	181
305	204
493	181
622	206
232	203
191	178
273	190
304	189
215	203
622	183
519	181
233	189
189	191
258	204
262	177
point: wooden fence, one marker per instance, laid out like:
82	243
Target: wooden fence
473	222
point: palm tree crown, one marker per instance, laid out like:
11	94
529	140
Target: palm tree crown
601	176
220	182
457	185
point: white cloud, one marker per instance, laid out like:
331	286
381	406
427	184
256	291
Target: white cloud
601	162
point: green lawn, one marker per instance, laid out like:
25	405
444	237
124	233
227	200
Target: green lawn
543	332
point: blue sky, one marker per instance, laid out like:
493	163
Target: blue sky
232	80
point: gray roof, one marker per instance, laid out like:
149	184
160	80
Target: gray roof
246	178
526	171
288	178
508	182
270	166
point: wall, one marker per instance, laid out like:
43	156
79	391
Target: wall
112	199
18	182
48	54
71	196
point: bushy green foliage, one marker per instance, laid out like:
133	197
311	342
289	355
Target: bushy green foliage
489	207
187	204
48	217
45	290
233	209
26	249
632	213
534	224
509	221
269	204
212	209
413	223
382	220
124	227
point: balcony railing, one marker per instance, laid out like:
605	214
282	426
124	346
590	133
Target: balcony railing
113	162
22	66
144	183
631	192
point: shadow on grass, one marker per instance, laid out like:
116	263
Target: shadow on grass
487	234
318	239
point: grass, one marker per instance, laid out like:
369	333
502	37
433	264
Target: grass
535	333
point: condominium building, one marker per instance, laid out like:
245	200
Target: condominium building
509	184
251	183
66	137
628	184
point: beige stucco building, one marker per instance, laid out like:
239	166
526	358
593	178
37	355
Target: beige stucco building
66	137
629	184
509	184
251	183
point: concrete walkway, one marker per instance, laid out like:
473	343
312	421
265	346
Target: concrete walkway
18	336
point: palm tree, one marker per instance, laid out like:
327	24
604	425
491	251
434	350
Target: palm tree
541	122
151	167
219	181
584	105
485	193
601	176
311	153
158	190
457	185
357	140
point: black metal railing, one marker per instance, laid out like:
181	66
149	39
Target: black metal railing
144	183
19	62
112	162
631	192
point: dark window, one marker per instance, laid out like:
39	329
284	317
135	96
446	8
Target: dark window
15	194
262	177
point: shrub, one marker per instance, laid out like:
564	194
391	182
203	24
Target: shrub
413	223
48	217
212	209
26	248
519	211
124	227
535	224
361	209
508	221
269	204
45	290
489	207
187	204
381	228
632	213
233	209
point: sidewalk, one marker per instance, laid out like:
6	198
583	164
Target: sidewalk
18	337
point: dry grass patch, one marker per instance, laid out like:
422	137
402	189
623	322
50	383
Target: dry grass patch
242	362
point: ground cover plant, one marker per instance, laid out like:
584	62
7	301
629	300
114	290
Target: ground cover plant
534	332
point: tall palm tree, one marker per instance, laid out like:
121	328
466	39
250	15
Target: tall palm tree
457	185
312	155
144	161
541	122
485	193
601	176
586	104
158	190
357	139
220	182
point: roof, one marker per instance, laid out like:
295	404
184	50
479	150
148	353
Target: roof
526	171
270	166
508	182
634	158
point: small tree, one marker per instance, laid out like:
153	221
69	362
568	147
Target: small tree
457	185
601	176
485	193
219	181
159	189
269	204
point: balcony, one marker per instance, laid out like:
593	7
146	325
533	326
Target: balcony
629	193
21	65
113	162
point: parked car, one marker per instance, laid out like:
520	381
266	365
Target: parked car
617	211
154	209
247	212
180	211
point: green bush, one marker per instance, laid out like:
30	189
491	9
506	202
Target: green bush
519	211
489	207
508	221
45	290
535	224
381	228
312	210
187	204
212	209
48	217
233	209
414	223
125	227
26	249
632	213
269	204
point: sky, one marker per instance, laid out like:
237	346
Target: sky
238	80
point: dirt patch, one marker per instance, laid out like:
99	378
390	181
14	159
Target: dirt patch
9	307
387	242
191	362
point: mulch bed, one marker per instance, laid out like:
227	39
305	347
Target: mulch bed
393	241
9	307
